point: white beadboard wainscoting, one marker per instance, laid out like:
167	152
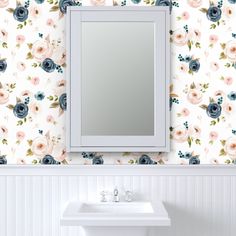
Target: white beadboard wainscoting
201	200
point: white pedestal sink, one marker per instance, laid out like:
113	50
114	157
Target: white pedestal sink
115	219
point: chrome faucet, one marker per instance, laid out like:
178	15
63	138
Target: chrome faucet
116	195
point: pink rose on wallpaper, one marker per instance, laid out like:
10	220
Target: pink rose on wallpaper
180	134
41	50
20	161
230	147
228	80
20	39
3	35
194	96
180	37
183	68
98	2
21	66
3	131
4	96
185	112
35	80
59	55
228	11
35	12
42	146
213	38
20	135
185	15
230	50
194	3
4	3
214	66
35	108
228	108
213	135
59	152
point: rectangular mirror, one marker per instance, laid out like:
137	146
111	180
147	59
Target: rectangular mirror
118	79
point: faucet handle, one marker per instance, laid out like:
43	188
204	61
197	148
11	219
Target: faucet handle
128	196
103	196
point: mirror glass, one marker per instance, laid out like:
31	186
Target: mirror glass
117	78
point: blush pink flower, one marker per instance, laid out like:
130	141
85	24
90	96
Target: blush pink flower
41	146
183	67
26	93
35	12
20	161
228	80
228	11
214	66
194	96
50	119
180	37
4	96
180	134
20	39
194	3
21	66
213	38
98	2
214	161
230	50
213	135
3	131
41	49
50	22
20	135
35	80
228	108
230	147
35	108
59	55
185	112
3	35
185	15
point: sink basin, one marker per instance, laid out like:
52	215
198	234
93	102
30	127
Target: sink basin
115	214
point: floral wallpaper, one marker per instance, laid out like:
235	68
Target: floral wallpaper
202	92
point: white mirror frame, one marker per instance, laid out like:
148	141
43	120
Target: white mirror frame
160	141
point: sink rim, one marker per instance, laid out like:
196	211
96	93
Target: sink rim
72	217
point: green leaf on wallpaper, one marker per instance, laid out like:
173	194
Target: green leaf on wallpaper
50	1
54	8
192	86
11	10
203	106
4	141
19	122
50	98
29	56
197	45
4	45
189	45
189	141
223	56
18	100
30	45
19	26
190	72
204	10
211	100
223	142
213	26
10	106
34	65
29	152
34	162
126	153
227	161
213	122
223	45
223	152
54	105
30	141
227	65
198	141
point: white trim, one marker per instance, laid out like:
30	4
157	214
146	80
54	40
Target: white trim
118	170
160	140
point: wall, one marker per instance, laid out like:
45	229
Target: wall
33	102
201	203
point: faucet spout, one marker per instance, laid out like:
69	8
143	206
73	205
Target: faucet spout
116	195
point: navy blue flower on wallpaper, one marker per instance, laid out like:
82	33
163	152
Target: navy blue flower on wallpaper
3	65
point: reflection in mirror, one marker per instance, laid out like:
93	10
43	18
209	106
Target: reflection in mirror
117	78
